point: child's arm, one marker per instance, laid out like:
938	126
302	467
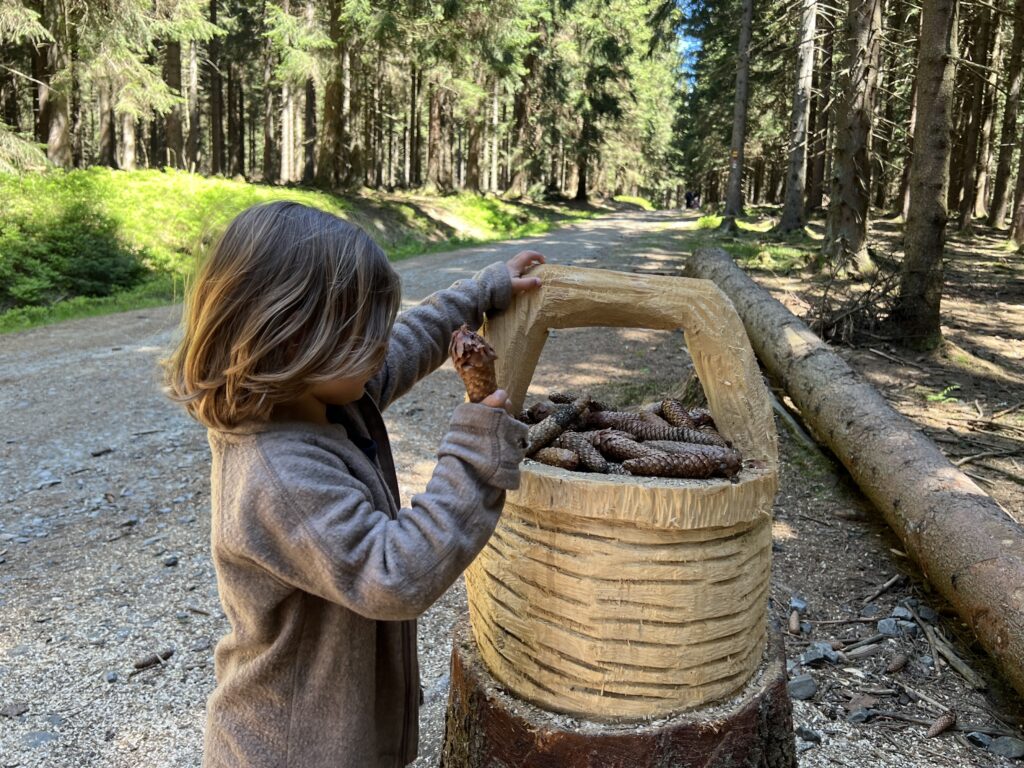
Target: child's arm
312	525
419	341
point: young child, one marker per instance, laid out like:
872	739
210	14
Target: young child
291	350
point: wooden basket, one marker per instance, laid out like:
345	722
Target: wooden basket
611	597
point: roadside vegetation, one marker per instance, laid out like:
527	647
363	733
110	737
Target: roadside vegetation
95	241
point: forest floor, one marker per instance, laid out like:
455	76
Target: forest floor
104	525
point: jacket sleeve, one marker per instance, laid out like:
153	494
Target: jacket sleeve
317	530
419	341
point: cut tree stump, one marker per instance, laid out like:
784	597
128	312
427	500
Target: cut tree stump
965	544
486	727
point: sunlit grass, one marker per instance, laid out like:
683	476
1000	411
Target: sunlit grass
640	202
169	217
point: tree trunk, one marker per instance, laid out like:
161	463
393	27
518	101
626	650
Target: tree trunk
194	127
433	180
1017	225
846	227
238	159
1008	136
108	125
59	62
309	134
822	113
976	117
970	551
522	147
474	150
270	152
485	726
494	139
793	214
230	167
216	100
917	307
329	170
904	195
287	120
9	106
173	137
127	142
734	190
40	91
988	119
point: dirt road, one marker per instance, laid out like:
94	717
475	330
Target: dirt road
104	538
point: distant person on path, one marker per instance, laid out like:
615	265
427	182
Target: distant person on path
689	199
291	350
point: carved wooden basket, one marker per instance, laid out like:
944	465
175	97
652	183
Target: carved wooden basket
610	597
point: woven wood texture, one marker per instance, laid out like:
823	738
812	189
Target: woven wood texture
613	597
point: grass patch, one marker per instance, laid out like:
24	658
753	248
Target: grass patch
640	202
165	218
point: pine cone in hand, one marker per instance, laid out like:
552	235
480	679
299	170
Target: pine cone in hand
473	359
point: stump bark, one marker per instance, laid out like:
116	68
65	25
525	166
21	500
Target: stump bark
486	727
965	544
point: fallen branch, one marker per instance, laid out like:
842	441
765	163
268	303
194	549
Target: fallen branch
967	547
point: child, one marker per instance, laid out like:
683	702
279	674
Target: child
291	350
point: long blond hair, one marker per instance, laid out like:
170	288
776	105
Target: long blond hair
289	296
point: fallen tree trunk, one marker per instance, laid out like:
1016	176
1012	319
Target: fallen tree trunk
968	548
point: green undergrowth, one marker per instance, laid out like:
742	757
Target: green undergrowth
95	241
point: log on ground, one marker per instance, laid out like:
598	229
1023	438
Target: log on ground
486	727
967	547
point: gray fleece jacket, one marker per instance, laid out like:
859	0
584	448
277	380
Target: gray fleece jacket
322	575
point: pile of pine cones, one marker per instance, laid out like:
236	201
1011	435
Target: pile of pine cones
664	439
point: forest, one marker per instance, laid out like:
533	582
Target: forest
865	109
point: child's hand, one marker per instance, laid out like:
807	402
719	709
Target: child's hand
518	266
498	399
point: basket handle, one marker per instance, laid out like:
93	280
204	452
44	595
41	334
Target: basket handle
575	297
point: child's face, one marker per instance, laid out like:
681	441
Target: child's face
341	391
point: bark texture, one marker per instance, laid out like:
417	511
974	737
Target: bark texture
793	216
846	226
917	307
1008	136
734	190
487	728
966	545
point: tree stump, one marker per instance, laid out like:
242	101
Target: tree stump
486	727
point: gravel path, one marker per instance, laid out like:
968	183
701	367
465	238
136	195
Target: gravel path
104	539
104	526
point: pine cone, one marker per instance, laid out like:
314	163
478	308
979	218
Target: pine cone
557	457
676	413
701	416
614	468
540	411
942	723
640	426
613	446
728	461
698	464
590	458
544	433
473	359
562	398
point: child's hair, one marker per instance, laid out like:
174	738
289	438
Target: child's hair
289	296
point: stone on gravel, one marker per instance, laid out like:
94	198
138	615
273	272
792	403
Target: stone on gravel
798	604
802	687
901	612
807	734
859	716
888	627
171	560
820	651
110	677
1007	746
14	709
35	739
979	739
